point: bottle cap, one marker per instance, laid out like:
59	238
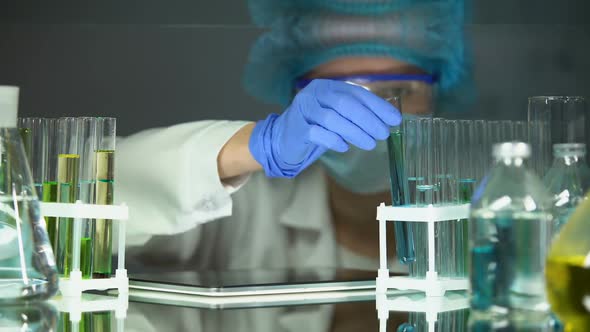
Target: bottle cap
8	106
511	150
569	150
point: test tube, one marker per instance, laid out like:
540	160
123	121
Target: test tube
467	176
68	168
440	192
424	193
466	187
87	147
49	191
480	156
34	134
399	187
105	163
507	131
553	120
520	131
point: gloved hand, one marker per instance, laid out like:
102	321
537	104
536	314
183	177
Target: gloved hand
324	115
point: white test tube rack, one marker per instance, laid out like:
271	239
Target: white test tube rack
430	306
75	284
432	284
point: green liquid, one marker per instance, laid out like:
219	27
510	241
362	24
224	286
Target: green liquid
67	179
50	195
86	257
105	162
85	325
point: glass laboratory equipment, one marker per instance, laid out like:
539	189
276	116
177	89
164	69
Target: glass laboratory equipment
27	265
29	317
49	191
68	168
514	322
86	147
568	271
399	190
34	134
567	180
104	191
553	120
510	233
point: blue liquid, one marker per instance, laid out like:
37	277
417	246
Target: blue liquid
404	238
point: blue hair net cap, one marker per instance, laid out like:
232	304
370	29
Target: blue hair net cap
305	34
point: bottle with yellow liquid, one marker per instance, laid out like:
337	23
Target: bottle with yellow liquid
568	271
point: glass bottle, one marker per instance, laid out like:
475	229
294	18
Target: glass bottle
27	265
568	271
567	180
510	233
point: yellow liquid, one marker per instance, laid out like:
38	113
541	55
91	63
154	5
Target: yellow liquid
568	288
67	185
105	163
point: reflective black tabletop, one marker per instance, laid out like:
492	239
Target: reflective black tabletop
450	313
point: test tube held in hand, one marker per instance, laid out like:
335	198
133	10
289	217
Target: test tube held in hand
399	188
104	190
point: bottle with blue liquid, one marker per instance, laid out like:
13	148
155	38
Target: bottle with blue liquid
509	237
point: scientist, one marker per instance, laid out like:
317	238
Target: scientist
299	188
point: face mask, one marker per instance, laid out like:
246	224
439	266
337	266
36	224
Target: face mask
358	170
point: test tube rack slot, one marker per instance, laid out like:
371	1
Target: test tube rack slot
432	284
75	284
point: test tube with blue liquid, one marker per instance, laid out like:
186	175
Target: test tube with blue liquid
399	187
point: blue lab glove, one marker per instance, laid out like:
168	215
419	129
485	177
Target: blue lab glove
325	115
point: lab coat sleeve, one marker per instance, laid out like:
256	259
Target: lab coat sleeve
169	178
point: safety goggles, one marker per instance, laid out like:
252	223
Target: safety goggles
415	91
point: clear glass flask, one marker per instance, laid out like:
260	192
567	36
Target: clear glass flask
510	233
568	179
27	265
568	271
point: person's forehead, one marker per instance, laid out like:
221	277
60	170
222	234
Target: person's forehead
362	65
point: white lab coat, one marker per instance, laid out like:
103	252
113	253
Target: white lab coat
169	179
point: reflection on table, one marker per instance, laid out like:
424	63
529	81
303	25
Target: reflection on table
337	317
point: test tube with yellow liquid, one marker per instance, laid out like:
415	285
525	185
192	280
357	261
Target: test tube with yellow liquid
68	168
104	190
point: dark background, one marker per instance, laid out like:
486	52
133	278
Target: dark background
156	63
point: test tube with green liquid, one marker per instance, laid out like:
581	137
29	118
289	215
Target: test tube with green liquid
49	178
68	168
104	190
